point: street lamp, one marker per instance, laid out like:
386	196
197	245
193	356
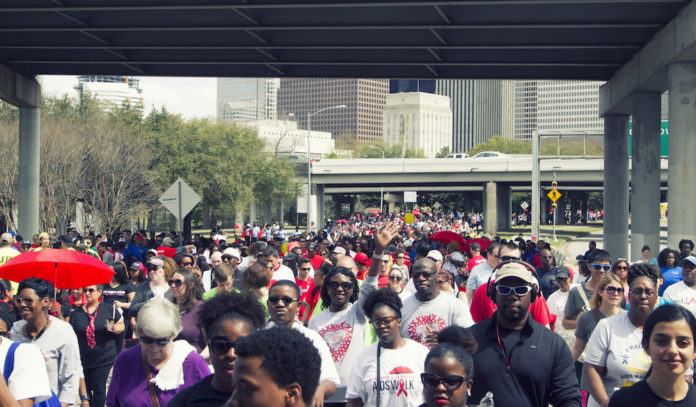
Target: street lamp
309	165
381	195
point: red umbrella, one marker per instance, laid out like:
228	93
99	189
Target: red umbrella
63	268
481	241
341	221
447	236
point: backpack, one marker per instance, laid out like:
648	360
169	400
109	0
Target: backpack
7	371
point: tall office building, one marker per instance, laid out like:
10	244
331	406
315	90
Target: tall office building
422	120
476	110
112	91
360	122
247	99
507	116
557	106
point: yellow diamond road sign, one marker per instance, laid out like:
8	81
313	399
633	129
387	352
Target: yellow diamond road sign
554	195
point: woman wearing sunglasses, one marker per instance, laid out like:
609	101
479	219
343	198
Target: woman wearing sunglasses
387	373
342	324
620	268
614	357
97	326
449	369
154	371
224	319
188	298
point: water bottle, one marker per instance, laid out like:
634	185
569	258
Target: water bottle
487	401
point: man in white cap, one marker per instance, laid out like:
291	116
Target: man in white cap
518	360
339	252
6	250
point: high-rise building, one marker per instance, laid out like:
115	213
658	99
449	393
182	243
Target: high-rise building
557	106
360	122
282	137
112	91
411	85
507	115
247	99
422	120
476	110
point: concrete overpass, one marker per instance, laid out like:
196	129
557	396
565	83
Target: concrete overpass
642	47
360	176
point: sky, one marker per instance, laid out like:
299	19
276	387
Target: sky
191	97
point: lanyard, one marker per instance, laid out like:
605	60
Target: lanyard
500	344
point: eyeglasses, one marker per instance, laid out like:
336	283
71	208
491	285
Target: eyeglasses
25	300
604	267
614	290
159	341
221	344
187	264
90	290
622	268
395	278
286	300
5	334
639	291
176	283
509	258
451	381
547	257
418	274
383	321
520	290
305	268
401	257
346	285
385	261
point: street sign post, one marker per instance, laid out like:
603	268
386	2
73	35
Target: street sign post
180	199
554	195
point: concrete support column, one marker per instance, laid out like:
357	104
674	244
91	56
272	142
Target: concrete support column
681	223
561	204
490	208
321	216
616	185
28	186
504	206
645	173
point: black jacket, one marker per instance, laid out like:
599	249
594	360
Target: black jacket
541	370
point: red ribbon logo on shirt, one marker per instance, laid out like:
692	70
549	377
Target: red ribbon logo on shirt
402	389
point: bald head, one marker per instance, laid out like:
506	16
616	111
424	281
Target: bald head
349	263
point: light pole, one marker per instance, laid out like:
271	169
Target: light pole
381	195
309	163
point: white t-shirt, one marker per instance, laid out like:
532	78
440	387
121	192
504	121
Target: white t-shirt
344	331
328	370
616	345
556	303
438	313
681	294
479	276
28	378
283	273
400	371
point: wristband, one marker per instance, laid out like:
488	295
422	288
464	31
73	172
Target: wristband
84	398
377	256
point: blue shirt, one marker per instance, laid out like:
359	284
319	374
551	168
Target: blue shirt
670	276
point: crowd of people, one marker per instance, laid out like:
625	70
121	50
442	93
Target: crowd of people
369	311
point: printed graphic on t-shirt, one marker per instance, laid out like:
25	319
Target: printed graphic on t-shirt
636	363
400	380
418	327
338	337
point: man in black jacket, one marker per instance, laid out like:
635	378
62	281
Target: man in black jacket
521	362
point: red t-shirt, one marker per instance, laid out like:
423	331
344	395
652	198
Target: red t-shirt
483	308
383	281
475	261
166	251
316	261
305	290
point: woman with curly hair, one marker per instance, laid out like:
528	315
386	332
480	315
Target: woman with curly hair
223	319
668	260
387	373
342	324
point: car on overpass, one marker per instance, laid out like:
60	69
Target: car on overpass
490	154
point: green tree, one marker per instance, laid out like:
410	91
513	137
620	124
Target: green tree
444	152
392	151
502	145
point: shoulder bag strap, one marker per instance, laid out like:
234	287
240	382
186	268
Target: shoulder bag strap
379	379
9	361
581	291
595	314
148	378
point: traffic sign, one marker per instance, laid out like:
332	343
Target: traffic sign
554	195
437	205
179	192
524	205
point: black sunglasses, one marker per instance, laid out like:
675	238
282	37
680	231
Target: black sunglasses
175	283
346	285
509	258
159	341
221	344
286	300
451	381
614	290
